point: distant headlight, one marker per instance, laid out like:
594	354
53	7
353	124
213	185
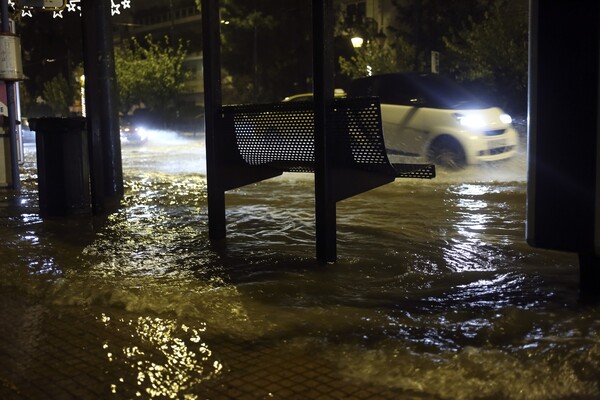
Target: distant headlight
505	118
470	120
142	132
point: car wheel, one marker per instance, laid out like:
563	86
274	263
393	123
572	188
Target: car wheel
447	153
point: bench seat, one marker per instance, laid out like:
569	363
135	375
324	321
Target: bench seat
281	136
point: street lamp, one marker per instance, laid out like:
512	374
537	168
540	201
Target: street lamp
357	42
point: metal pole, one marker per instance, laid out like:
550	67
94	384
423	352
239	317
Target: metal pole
11	109
325	204
101	108
212	105
92	105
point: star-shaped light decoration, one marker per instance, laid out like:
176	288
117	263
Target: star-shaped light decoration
114	8
75	6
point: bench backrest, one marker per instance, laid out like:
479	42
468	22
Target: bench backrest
281	135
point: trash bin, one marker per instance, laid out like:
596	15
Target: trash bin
63	166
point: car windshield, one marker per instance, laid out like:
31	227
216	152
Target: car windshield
432	91
439	92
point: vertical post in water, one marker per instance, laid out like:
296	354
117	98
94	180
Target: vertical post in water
11	110
102	111
212	105
92	100
323	68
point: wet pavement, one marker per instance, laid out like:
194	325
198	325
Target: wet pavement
435	295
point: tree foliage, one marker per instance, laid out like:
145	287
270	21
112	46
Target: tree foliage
149	73
58	95
493	53
266	49
424	23
374	58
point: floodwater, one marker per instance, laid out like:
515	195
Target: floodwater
435	293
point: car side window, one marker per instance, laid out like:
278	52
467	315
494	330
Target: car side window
385	92
395	91
362	87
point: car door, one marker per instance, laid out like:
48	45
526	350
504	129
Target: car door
401	115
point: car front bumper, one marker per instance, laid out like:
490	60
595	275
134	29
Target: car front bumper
493	148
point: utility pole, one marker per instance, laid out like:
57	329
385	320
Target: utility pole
11	108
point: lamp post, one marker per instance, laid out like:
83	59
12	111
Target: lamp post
357	42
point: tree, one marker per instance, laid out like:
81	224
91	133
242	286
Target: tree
492	52
266	49
58	95
149	73
375	58
424	23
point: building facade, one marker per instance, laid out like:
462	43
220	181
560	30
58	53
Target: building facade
367	17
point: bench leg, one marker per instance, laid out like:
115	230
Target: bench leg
589	277
216	214
323	71
325	214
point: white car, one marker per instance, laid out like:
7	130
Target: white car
431	118
338	93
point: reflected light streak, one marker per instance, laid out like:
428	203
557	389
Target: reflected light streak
473	190
166	359
44	266
471	253
31	218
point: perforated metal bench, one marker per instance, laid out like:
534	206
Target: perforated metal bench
281	137
340	141
256	142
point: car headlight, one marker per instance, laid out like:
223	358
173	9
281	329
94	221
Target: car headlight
142	132
505	118
472	121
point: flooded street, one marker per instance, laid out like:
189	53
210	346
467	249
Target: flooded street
435	294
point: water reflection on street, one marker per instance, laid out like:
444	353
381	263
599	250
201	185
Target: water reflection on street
435	294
